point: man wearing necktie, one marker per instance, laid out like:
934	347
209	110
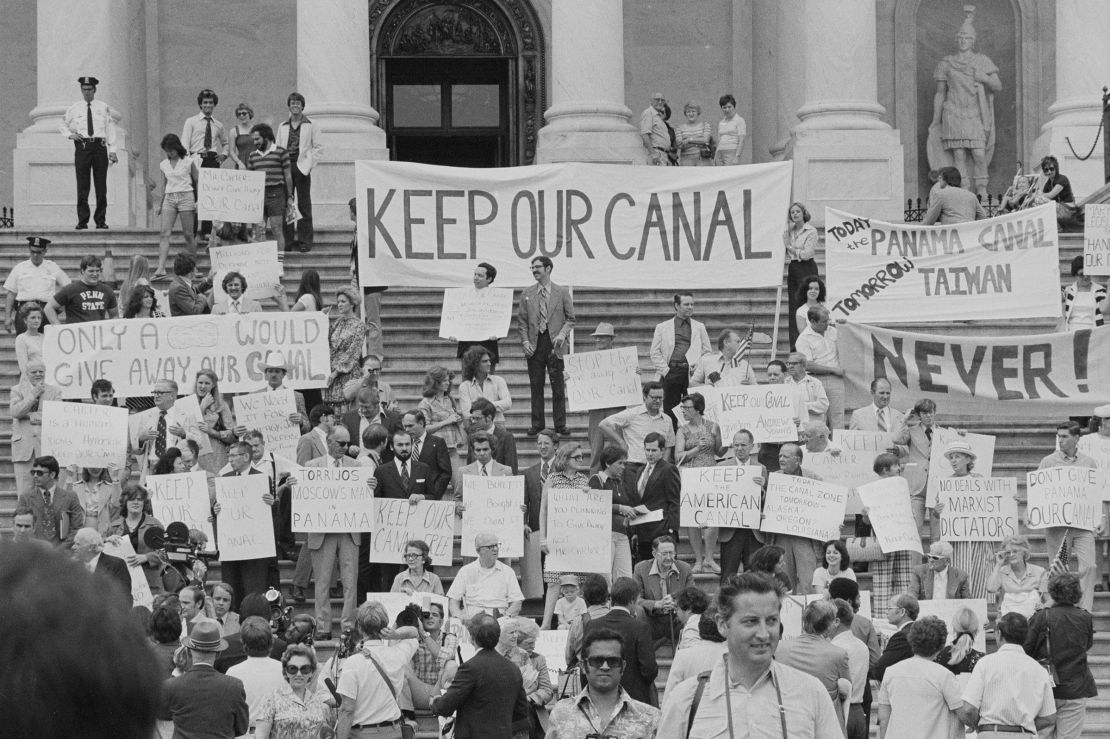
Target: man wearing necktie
660	488
237	303
205	138
400	478
58	514
880	415
913	442
91	128
545	319
247	575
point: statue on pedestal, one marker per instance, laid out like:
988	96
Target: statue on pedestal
963	110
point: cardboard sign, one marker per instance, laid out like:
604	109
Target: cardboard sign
803	507
182	497
140	588
493	506
234	195
721	496
978	508
940	467
245	523
946	611
476	315
579	530
332	500
853	465
794	605
1097	447
257	262
1096	239
269	413
84	434
767	411
397	522
888	506
603	379
1064	496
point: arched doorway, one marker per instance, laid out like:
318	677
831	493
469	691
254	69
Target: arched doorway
458	83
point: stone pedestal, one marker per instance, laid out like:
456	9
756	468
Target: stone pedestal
1082	58
845	155
333	73
45	187
588	120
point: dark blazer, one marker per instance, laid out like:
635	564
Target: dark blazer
897	649
482	697
389	480
533	496
185	300
640	667
503	448
115	569
434	454
921	583
651	589
390	419
204	703
663	490
60	523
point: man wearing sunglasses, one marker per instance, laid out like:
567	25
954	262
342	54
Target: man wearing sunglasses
58	514
603	708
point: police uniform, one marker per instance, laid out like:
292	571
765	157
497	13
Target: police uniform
31	283
90	126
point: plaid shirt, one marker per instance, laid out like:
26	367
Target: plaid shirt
427	666
573	718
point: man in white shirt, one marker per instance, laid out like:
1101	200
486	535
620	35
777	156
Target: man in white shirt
33	280
938	578
91	128
880	415
723	368
483	277
165	425
653	131
628	428
858	661
486	584
259	673
817	343
811	393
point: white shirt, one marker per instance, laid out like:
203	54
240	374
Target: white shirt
922	696
819	348
858	661
940	585
1010	688
812	398
179	175
29	282
91	564
480	588
75	120
362	682
260	677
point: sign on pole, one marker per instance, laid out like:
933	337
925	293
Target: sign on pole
1063	496
182	497
332	500
269	413
494	506
233	195
1096	239
246	526
579	530
888	506
476	315
803	507
720	496
84	434
396	522
978	508
603	379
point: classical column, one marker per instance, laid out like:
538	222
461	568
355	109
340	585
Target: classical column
845	154
333	73
98	46
588	119
1082	58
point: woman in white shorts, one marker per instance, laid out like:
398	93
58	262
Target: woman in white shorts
179	174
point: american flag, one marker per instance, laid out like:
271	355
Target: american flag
1060	561
742	351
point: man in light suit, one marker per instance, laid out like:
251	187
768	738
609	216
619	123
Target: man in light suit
880	415
303	158
88	550
676	346
58	513
326	548
913	443
938	571
275	369
26	401
545	319
314	444
429	449
248	575
481	447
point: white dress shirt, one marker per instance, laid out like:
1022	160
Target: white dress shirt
76	118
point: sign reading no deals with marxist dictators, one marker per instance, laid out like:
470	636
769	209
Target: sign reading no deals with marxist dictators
84	434
603	379
1064	496
493	506
767	411
135	353
183	496
476	315
888	507
233	195
397	522
245	524
603	225
803	507
1096	239
897	272
977	508
332	500
725	496
257	262
579	530
1038	375
269	413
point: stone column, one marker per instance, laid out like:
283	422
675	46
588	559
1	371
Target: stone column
333	73
845	154
98	46
1082	58
588	120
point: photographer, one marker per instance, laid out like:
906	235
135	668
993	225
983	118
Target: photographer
437	658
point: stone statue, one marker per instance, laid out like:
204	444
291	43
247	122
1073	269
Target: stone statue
963	110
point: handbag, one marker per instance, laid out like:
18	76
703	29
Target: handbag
407	730
863	549
705	151
172	580
1046	661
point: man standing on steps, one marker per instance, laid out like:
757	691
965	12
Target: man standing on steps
604	336
545	319
676	346
248	575
880	415
88	299
811	393
801	554
34	280
482	413
91	128
818	344
205	138
531	576
739	544
769	451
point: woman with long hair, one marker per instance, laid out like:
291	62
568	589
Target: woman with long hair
346	337
28	344
143	303
242	144
610	477
136	275
811	295
444	419
179	177
216	423
478	382
308	292
134	524
961	656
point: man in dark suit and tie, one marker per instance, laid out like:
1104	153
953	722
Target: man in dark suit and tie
640	667
431	451
901	612
369	412
247	575
401	477
531	576
88	550
660	487
545	319
57	512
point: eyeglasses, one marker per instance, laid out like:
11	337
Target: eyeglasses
934	557
242	112
490	546
305	670
36	473
598	662
161	392
413	556
577	456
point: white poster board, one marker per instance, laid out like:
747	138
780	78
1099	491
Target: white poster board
182	497
269	413
803	507
233	195
493	506
476	315
720	496
888	507
256	261
1096	239
940	467
793	605
332	500
552	644
84	434
1063	496
978	508
396	522
140	588
946	610
579	530
853	465
245	523
767	411
603	379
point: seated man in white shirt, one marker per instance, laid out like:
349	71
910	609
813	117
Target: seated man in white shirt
485	584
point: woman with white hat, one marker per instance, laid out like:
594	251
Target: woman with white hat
976	558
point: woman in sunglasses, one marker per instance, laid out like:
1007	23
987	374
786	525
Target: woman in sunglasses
568	470
295	708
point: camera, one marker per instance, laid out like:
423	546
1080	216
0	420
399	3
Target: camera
410	615
183	549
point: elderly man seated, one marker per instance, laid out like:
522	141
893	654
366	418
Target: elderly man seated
486	584
937	579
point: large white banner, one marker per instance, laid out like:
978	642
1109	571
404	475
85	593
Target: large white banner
257	262
269	413
579	530
84	434
604	225
396	522
978	508
494	506
1064	496
603	379
135	353
1096	239
888	507
329	500
476	315
182	497
720	496
803	507
230	195
1032	376
901	273
939	466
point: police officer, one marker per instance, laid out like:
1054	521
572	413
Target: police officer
90	126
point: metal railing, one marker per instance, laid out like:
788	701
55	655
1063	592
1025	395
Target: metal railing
915	210
7	217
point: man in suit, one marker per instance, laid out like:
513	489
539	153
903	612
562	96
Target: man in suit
660	487
482	413
660	579
802	553
375	441
640	667
531	575
88	550
325	549
880	415
813	653
203	702
367	413
57	511
913	443
247	575
26	399
487	699
400	478
901	612
938	579
184	298
166	425
676	346
314	444
545	319
275	369
484	465
281	512
430	450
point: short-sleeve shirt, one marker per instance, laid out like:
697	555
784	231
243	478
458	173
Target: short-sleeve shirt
29	282
482	588
635	423
84	303
922	696
361	680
